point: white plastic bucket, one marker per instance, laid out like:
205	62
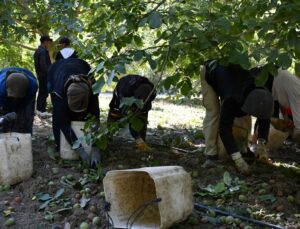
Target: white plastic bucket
16	157
127	190
66	151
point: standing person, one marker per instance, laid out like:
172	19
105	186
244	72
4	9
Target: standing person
72	100
138	87
66	51
238	97
18	87
42	63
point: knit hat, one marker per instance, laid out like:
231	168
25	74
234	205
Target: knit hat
259	103
45	38
78	96
16	85
65	40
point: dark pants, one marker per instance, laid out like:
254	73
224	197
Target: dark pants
42	94
61	121
24	121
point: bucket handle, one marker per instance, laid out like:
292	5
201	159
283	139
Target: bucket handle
139	211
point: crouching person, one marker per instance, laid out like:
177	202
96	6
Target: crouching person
72	100
238	97
18	87
140	88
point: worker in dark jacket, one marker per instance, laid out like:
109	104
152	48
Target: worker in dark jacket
42	63
72	99
18	88
136	87
238	97
66	51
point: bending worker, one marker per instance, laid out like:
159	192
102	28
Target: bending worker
140	88
239	97
18	87
72	99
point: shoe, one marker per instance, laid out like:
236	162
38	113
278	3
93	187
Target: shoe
43	115
210	162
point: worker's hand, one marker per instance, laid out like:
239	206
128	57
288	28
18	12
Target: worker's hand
261	152
113	116
83	155
282	125
10	116
240	163
95	157
142	145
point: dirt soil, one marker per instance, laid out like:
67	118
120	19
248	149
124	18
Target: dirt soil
279	183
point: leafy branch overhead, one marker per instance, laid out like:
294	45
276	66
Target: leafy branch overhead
120	36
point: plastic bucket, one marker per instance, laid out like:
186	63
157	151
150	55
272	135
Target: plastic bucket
129	191
16	157
66	151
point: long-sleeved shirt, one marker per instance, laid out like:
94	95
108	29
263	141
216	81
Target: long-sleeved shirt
23	107
42	61
233	84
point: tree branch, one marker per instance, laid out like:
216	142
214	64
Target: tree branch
25	47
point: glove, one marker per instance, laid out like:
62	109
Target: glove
240	164
83	154
113	116
10	117
282	125
142	145
261	152
95	157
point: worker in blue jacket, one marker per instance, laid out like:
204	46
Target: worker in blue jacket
18	87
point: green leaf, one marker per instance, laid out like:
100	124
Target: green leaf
297	69
102	143
76	144
262	78
44	205
45	197
51	153
138	55
129	101
219	188
268	197
120	68
62	210
155	20
285	60
59	193
227	178
138	40
168	82
97	87
185	88
110	78
137	124
151	62
100	66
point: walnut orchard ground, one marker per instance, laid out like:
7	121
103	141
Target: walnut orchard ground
271	194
